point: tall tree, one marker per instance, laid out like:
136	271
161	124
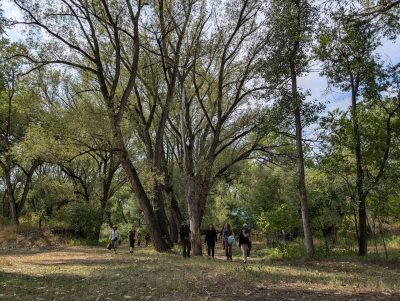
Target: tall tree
100	41
292	25
18	110
347	52
217	85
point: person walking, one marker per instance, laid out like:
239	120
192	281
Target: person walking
184	233
244	242
147	239
114	238
210	240
132	234
229	240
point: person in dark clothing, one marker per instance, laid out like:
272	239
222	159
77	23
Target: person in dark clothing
244	242
132	234
211	239
184	233
147	239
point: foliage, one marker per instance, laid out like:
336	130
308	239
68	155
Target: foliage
84	218
111	111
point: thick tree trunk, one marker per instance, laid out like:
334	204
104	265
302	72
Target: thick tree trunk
14	212
159	210
6	205
103	205
159	242
175	216
194	210
308	240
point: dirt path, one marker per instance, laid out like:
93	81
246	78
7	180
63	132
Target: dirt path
85	273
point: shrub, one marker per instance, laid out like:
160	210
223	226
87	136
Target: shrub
85	219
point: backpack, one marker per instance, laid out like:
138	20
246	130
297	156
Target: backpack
231	240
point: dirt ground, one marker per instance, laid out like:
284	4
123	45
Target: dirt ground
94	273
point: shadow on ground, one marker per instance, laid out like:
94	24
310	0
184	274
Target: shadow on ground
82	273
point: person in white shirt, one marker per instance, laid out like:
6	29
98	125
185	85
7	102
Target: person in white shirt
114	238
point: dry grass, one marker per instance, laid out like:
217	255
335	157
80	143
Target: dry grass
8	233
90	273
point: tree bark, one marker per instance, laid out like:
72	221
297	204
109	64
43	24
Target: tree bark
176	217
159	243
6	205
158	203
308	240
195	216
361	196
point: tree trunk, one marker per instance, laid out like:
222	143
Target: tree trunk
193	201
308	240
175	216
355	222
159	210
10	193
362	212
14	212
159	243
362	226
6	205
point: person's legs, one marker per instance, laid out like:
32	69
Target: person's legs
245	249
212	250
209	250
188	247
229	252
132	246
115	246
184	248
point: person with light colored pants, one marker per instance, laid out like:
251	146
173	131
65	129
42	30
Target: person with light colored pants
114	238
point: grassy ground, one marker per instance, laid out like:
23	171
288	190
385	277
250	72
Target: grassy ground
93	273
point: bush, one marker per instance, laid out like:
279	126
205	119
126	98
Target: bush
85	219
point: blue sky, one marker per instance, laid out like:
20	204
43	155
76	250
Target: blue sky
389	52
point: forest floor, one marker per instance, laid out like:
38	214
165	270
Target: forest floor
94	273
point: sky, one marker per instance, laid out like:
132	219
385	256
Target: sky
333	98
313	82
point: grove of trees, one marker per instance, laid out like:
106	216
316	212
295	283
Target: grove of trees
152	112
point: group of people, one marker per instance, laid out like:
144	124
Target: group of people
115	239
227	237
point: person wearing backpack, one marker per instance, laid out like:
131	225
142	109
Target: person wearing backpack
229	241
244	242
132	234
211	239
184	233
